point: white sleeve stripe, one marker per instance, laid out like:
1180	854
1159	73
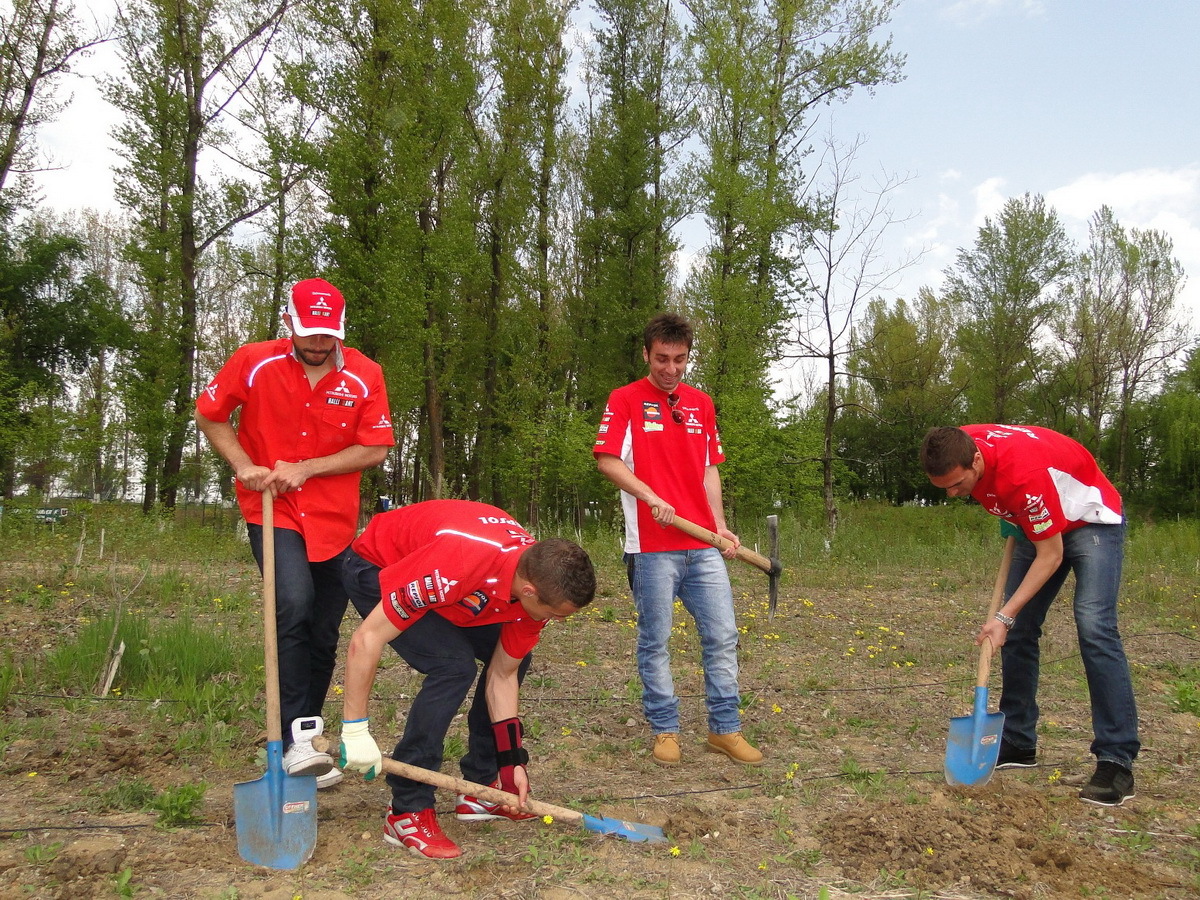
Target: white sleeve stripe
254	371
503	548
361	383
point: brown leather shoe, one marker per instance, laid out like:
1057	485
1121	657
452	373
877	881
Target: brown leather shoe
735	747
666	749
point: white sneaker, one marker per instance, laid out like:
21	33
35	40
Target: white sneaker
302	758
329	779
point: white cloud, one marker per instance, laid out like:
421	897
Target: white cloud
1167	200
989	199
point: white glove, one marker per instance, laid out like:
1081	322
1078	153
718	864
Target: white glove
359	750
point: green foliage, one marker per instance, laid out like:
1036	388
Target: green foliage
209	671
123	884
1185	691
179	805
1005	291
128	795
40	854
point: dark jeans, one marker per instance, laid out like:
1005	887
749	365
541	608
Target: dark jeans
1095	554
309	604
446	655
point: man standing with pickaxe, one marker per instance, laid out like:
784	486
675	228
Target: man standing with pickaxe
658	442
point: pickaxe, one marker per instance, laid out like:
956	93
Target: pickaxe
773	567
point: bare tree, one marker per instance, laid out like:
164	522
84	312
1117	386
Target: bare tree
840	265
38	41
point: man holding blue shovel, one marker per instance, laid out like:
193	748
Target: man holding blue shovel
1071	520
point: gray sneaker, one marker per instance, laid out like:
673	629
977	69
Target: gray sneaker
1111	785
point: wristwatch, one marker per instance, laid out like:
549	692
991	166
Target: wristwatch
1006	620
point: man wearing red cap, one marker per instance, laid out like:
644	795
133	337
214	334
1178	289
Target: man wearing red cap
314	414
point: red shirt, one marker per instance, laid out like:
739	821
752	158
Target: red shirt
670	457
1042	481
456	558
283	418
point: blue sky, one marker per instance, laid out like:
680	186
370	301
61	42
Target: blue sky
1087	102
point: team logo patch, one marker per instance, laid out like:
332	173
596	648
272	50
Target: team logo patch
211	391
475	602
383	423
652	411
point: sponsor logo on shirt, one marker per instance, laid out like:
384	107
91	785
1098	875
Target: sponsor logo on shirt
341	396
414	595
394	600
652	411
384	422
476	602
211	391
652	426
1042	526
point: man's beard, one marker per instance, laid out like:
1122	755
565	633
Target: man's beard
314	358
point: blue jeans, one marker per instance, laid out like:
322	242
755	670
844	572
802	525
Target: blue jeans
309	604
446	655
699	578
1095	554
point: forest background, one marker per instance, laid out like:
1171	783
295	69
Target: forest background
502	207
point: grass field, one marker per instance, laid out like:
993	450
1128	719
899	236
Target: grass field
848	690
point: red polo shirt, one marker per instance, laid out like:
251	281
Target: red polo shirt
669	456
284	419
456	558
1042	481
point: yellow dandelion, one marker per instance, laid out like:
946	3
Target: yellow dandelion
675	851
32	775
929	851
549	820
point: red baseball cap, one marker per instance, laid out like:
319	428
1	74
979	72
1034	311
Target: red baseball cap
317	307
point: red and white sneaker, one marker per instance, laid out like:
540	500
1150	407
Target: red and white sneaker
420	833
472	809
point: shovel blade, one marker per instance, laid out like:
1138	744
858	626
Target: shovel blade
631	831
276	816
974	744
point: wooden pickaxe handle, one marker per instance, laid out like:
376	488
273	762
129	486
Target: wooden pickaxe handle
771	566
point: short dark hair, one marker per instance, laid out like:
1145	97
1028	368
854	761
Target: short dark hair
561	571
668	328
945	448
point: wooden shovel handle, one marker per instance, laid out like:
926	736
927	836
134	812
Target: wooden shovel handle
482	791
985	649
745	554
270	636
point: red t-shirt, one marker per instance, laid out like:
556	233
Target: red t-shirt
456	558
1042	481
670	457
283	418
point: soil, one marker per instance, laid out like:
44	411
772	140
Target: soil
849	695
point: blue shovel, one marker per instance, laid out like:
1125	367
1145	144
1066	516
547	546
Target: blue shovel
974	742
275	815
